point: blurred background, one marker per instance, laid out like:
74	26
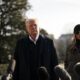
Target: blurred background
56	18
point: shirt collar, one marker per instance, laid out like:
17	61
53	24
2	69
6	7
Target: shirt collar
34	41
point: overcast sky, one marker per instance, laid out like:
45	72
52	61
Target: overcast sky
56	16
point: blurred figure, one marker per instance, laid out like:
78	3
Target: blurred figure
62	73
73	53
32	52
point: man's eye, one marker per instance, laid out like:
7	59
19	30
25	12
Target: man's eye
35	25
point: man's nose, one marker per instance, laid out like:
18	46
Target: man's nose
34	27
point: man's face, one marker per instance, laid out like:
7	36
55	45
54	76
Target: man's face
32	28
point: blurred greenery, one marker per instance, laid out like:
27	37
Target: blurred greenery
3	68
11	25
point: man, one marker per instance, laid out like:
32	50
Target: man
32	52
73	53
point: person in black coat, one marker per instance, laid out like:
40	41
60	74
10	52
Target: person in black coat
32	52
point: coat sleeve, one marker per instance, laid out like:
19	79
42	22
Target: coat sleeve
54	61
16	58
17	49
54	58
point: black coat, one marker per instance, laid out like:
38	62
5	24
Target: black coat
29	57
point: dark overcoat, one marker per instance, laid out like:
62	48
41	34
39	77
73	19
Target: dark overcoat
29	57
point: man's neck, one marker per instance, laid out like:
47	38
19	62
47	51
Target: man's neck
34	39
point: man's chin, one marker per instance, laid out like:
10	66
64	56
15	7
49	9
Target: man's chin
35	33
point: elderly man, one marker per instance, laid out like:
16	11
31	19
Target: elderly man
32	52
